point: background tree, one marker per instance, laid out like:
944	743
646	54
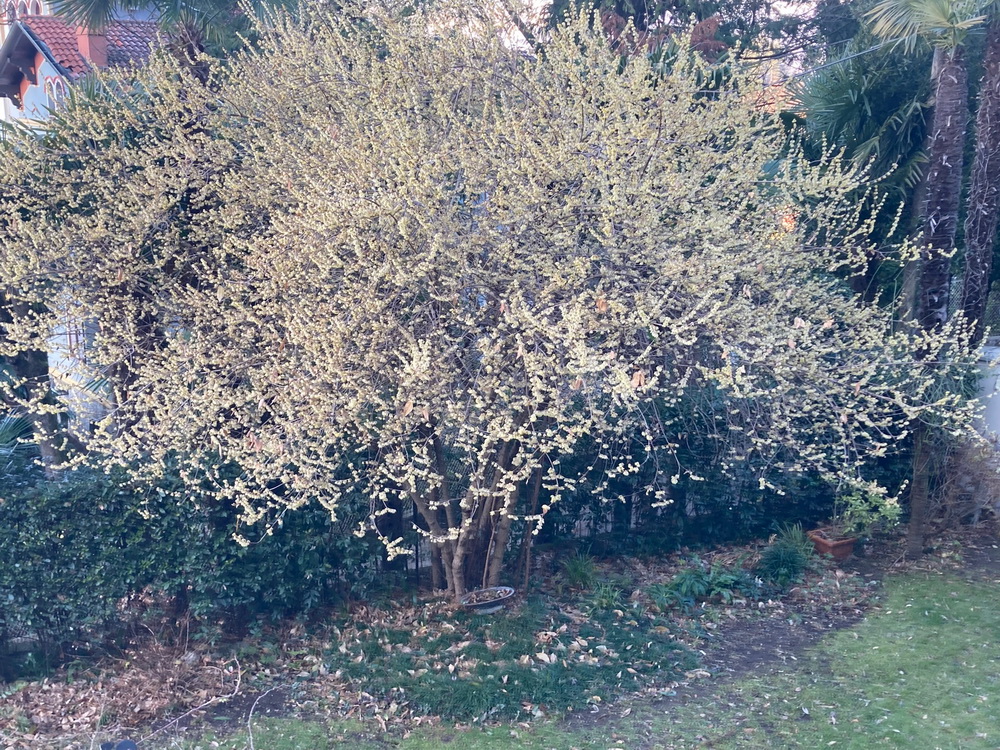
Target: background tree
192	28
761	28
875	104
945	25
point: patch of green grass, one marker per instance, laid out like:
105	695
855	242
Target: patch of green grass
521	663
922	671
289	734
273	734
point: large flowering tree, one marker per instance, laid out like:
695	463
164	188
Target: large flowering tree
399	255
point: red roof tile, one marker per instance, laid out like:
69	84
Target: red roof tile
60	39
129	41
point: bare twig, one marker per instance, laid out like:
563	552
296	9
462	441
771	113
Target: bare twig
206	704
253	708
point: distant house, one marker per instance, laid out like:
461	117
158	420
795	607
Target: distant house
41	55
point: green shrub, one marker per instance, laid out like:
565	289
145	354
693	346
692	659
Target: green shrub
663	596
604	598
787	557
76	549
579	570
727	583
692	583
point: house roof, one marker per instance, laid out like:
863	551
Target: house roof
59	41
129	42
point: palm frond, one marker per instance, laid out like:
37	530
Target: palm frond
874	107
14	431
91	14
940	22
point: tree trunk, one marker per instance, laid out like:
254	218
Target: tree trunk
534	504
944	186
499	539
946	144
984	190
919	492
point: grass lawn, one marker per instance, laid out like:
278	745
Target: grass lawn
922	671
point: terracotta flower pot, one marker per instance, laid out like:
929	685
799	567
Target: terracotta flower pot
827	543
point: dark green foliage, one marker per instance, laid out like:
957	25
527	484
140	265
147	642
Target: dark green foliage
692	583
663	596
786	559
74	551
715	508
17	452
604	598
727	584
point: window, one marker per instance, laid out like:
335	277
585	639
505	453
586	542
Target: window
55	91
76	341
22	9
36	8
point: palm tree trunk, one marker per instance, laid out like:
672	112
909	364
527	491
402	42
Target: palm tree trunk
984	190
946	145
919	492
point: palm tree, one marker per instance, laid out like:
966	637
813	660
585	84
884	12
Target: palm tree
945	25
217	26
874	104
26	377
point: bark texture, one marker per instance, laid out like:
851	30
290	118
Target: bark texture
944	186
946	144
984	190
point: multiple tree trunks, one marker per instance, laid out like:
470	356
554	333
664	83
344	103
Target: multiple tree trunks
943	186
446	280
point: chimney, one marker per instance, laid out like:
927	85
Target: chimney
93	46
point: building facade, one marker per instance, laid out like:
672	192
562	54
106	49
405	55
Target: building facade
42	55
